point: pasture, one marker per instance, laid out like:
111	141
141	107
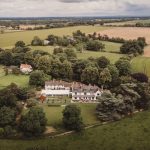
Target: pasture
131	133
9	39
20	80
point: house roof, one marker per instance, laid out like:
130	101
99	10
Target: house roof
25	66
76	86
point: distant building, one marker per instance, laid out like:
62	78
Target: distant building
46	42
25	68
77	91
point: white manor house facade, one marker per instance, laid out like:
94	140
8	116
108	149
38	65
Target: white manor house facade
77	91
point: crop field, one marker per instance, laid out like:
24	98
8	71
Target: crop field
128	33
128	134
9	39
129	22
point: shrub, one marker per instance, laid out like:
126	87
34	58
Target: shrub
141	77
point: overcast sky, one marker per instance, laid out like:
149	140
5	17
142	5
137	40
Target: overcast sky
48	8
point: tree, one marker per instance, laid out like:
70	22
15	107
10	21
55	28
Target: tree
72	119
78	67
20	44
38	78
114	75
90	75
70	53
142	42
7	116
6	58
58	50
124	67
103	62
131	47
44	63
37	41
7	98
94	46
33	123
110	108
141	77
52	39
105	77
66	72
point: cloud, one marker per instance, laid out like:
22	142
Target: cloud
39	8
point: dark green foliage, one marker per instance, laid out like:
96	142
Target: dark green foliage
94	46
90	75
132	47
7	116
33	123
70	54
141	77
58	50
103	62
37	41
6	58
72	118
110	108
38	78
124	67
20	44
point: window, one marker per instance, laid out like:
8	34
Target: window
75	93
84	93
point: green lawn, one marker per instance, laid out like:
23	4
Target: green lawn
54	114
9	39
128	134
20	80
141	64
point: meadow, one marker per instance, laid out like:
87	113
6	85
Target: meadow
131	133
20	80
9	39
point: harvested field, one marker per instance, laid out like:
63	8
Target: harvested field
128	32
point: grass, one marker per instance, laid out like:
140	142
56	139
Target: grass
54	114
113	57
20	80
128	134
9	39
141	64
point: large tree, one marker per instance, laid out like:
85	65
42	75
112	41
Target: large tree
90	75
38	78
72	119
110	108
103	62
33	123
124	67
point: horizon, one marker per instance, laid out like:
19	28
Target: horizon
73	8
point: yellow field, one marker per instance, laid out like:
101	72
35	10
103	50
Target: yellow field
9	39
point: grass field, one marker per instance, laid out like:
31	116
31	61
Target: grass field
141	64
20	80
128	134
9	39
113	57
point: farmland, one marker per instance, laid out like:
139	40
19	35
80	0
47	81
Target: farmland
9	39
130	133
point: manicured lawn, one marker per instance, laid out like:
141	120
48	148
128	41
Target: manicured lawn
111	56
54	114
9	39
129	134
141	64
20	80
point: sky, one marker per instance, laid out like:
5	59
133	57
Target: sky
60	8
